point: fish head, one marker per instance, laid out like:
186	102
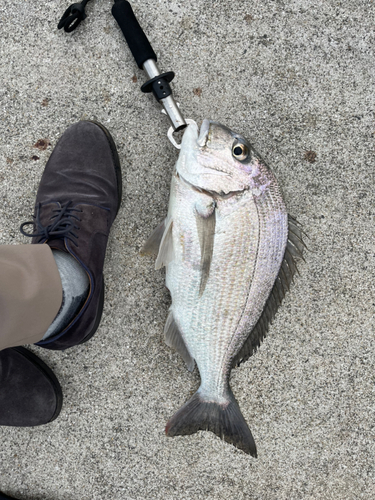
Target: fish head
218	160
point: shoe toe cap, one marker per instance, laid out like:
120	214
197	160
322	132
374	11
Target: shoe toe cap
30	394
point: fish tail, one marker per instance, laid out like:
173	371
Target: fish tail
225	420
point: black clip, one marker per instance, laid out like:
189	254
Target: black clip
73	16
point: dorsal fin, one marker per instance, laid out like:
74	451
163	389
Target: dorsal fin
294	251
173	338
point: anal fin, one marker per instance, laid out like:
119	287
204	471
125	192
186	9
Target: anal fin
173	338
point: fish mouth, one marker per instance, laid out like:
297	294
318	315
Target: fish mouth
203	133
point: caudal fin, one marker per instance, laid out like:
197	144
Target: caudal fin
225	420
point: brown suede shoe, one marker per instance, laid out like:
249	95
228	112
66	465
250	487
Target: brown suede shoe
30	394
77	201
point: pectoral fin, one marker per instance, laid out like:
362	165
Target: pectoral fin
206	233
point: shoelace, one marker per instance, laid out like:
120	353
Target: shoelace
63	224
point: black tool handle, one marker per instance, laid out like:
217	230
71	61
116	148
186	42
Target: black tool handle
134	35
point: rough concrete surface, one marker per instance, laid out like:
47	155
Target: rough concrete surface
296	78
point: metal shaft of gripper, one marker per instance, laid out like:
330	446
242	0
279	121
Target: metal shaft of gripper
171	108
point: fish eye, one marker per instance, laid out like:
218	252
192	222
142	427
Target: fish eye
240	151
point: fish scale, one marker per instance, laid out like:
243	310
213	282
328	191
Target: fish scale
271	251
224	293
204	309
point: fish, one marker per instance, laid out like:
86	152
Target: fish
230	250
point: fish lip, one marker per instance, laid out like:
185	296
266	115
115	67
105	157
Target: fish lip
203	133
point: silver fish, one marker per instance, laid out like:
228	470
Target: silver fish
229	249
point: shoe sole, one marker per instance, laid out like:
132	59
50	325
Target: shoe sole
116	161
41	365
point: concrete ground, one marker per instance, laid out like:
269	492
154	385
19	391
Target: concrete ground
297	79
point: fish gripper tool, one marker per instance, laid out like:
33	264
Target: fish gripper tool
146	59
